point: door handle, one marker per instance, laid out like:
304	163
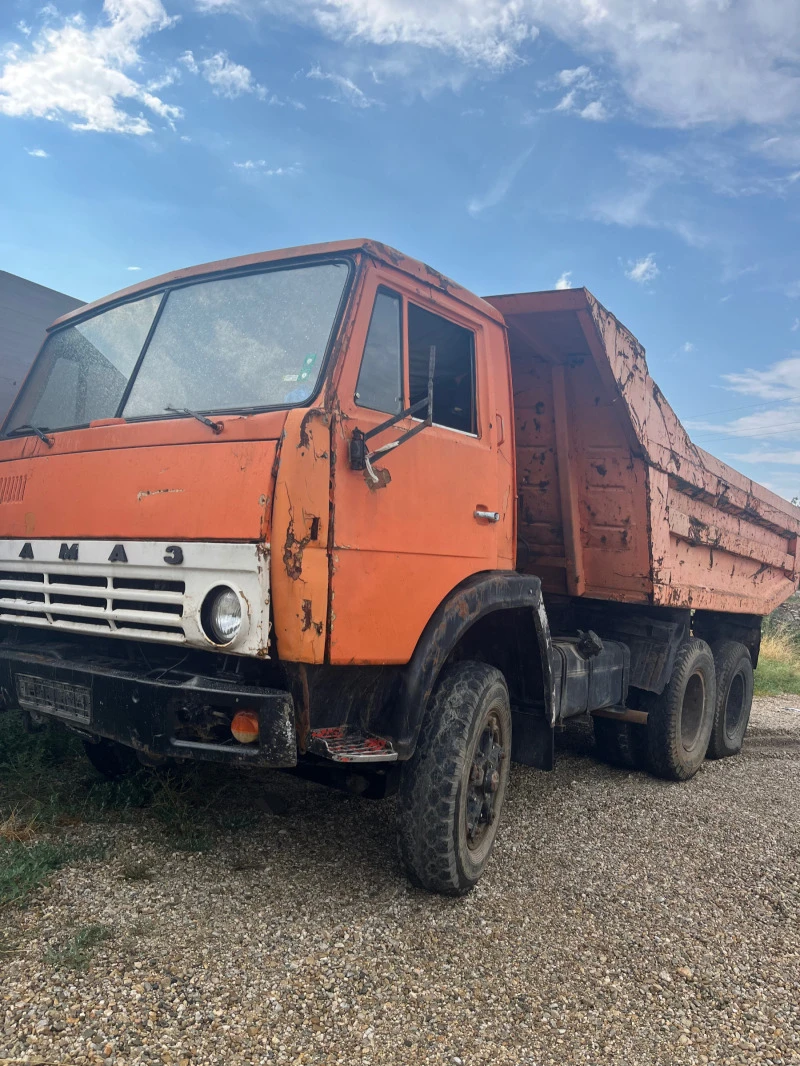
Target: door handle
490	516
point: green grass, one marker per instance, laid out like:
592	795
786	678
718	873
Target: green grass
778	670
23	867
76	953
776	678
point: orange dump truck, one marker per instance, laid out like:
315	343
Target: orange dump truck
323	508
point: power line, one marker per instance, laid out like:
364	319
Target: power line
744	407
758	433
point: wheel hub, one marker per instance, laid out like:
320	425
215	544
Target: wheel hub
484	783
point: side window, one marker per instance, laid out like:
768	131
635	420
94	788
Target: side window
380	382
454	375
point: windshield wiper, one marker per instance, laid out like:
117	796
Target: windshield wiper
27	428
216	427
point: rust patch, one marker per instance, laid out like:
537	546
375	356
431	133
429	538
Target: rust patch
304	438
308	621
383	476
293	547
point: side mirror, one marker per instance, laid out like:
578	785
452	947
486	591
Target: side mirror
361	458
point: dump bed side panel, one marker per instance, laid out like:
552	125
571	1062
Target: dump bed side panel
719	541
638	512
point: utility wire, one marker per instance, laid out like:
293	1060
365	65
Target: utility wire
745	406
760	433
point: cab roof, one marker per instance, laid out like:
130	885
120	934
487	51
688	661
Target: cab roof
374	249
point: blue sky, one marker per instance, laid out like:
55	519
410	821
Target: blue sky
516	145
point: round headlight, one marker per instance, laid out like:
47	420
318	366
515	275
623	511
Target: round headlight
222	615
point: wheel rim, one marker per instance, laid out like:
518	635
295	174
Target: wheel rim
692	711
485	786
734	706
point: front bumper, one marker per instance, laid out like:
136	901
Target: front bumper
160	713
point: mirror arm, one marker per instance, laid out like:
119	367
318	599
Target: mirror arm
361	458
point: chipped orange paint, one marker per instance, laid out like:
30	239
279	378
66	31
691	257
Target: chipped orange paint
300	519
599	490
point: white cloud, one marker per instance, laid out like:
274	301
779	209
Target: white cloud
795	326
188	60
227	78
501	185
594	111
76	74
687	347
486	32
577	74
773	417
260	166
791	458
38	153
643	270
133	268
344	90
684	62
565	281
779	380
581	83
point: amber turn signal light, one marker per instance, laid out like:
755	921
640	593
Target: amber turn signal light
245	726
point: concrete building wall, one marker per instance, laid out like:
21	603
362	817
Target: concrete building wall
26	310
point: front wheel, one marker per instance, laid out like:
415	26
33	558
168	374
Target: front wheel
110	759
452	788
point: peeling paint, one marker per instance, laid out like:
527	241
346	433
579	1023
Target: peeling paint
155	492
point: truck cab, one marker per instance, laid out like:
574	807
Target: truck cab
318	508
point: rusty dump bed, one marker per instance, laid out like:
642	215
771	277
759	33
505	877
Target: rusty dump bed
615	502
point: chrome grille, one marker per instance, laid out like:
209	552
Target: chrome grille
93	602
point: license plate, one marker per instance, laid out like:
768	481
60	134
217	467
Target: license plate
54	697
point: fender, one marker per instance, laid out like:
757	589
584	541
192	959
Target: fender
474	599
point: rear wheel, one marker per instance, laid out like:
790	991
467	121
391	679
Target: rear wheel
452	788
680	720
622	744
734	672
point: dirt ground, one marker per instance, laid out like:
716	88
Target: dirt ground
623	920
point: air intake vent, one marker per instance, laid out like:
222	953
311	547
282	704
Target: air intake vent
12	489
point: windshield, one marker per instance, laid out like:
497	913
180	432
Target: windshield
256	340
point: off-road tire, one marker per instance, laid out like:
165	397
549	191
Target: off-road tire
680	720
435	782
734	701
622	744
110	759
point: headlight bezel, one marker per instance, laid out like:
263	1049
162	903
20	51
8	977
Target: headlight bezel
213	631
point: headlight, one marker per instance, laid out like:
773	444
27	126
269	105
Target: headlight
221	615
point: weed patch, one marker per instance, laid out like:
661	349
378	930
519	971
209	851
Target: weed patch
778	662
23	867
77	952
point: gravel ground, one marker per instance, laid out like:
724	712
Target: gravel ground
624	920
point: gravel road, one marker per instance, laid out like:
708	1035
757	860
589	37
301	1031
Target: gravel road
624	920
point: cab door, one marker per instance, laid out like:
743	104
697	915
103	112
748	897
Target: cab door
401	543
